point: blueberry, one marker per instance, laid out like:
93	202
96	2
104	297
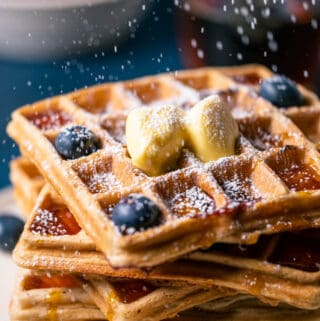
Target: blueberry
10	229
136	212
76	141
281	92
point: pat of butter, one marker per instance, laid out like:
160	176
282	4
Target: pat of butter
212	132
155	137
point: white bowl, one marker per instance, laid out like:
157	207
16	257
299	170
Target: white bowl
47	29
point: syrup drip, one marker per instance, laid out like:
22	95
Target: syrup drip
52	301
51	119
45	282
55	222
298	251
255	283
247	79
300	178
130	291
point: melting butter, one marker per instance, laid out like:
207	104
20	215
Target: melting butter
212	132
156	135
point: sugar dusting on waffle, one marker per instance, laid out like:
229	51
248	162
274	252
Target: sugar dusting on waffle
46	223
192	202
102	182
94	186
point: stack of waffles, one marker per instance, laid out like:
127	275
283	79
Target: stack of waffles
237	237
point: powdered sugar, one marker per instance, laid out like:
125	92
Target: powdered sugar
192	201
46	223
103	182
240	189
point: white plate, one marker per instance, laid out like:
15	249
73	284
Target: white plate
47	29
8	269
37	4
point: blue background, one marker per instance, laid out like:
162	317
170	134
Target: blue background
153	50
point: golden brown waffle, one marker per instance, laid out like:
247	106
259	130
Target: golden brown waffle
255	256
41	296
120	297
53	294
52	240
27	183
47	298
92	185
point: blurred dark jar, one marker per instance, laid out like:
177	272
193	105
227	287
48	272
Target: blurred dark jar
282	34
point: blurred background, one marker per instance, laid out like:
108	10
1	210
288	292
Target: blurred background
57	46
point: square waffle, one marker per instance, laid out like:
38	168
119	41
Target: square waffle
41	296
55	296
124	299
52	240
90	186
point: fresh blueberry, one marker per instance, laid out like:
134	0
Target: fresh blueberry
76	141
135	213
10	229
281	92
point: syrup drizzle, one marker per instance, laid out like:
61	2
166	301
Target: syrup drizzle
298	251
51	119
131	290
300	178
32	282
54	222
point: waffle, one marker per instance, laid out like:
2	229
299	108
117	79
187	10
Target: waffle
41	248
269	147
52	303
253	256
108	292
55	296
40	296
27	183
